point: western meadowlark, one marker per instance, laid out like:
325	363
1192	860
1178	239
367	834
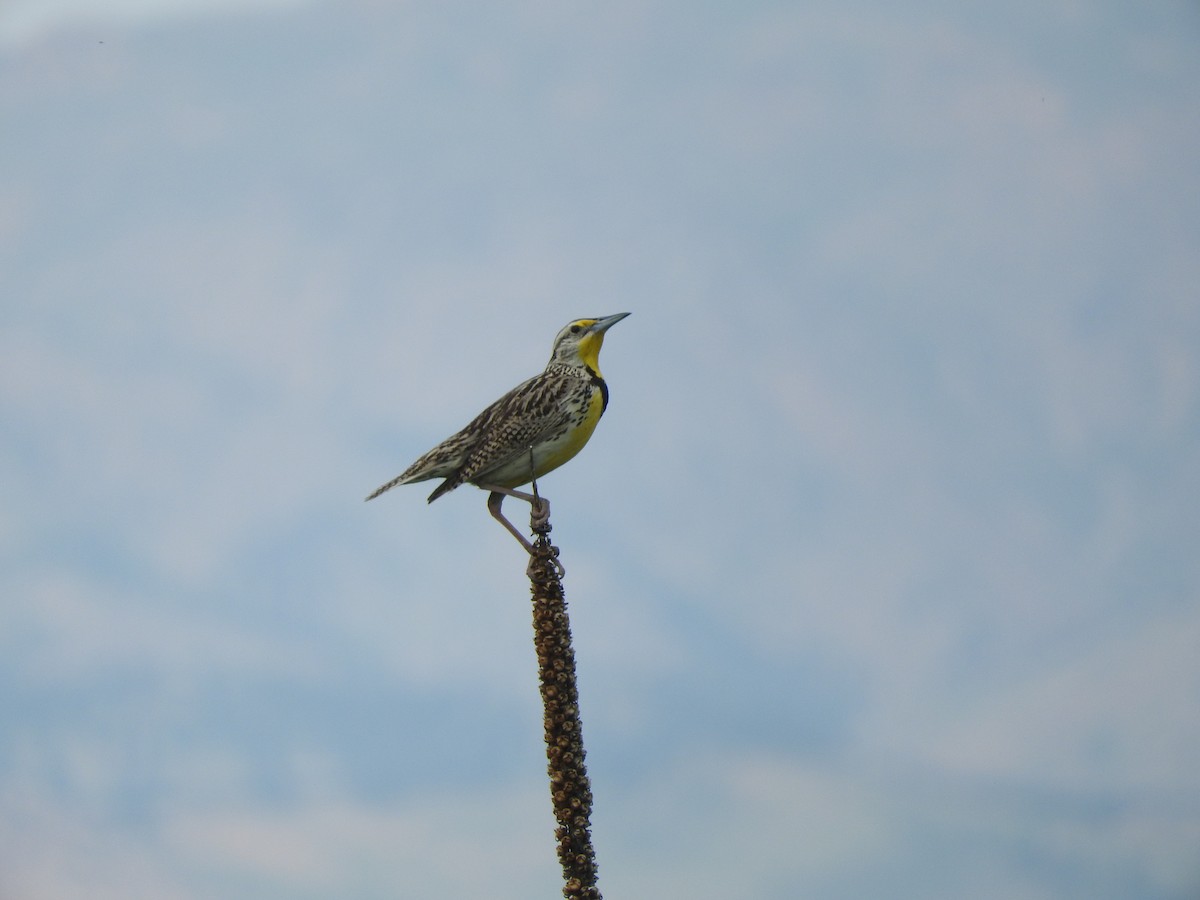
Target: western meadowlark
531	430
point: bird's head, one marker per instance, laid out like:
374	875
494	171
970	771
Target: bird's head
578	344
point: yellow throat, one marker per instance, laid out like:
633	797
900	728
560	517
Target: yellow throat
589	348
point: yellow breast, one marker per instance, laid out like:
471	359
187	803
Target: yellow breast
572	442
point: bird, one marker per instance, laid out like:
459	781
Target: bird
530	431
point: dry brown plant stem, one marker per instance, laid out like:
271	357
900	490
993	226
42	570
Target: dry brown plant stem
570	791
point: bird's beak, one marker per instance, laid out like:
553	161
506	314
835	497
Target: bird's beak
602	325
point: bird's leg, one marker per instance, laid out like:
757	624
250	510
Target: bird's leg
495	498
541	513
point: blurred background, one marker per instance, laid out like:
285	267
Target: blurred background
882	565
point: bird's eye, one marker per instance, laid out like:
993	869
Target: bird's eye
575	329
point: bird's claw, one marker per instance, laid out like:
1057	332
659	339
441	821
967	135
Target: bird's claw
539	514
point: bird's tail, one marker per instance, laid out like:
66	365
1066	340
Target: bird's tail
448	485
399	479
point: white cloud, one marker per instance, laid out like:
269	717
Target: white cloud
69	629
494	843
26	20
1126	716
48	852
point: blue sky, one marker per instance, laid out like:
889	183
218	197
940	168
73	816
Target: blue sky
881	564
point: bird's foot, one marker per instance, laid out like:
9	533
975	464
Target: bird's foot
539	523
